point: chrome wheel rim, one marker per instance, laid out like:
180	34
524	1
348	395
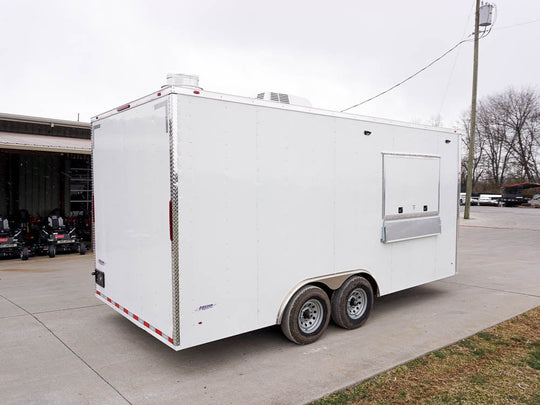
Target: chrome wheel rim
356	303
310	316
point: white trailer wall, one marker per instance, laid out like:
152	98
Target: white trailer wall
218	268
131	197
270	197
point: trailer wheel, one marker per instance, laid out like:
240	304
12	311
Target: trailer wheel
82	248
24	253
306	316
352	303
52	251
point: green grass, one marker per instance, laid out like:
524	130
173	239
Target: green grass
534	356
439	354
499	365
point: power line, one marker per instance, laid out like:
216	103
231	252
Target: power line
517	25
455	61
410	77
483	34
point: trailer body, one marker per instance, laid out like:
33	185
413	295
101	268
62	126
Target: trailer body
212	210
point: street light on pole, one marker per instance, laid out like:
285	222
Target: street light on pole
483	17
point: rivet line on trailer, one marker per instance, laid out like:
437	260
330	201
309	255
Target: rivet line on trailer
135	317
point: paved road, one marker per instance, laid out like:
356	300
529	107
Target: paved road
58	344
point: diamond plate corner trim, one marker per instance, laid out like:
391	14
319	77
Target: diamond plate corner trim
172	120
94	128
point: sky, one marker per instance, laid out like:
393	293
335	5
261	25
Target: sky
69	59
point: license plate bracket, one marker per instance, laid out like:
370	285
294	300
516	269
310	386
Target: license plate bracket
99	277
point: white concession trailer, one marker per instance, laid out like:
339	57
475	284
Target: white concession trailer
217	215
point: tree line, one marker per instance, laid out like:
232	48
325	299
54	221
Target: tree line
507	144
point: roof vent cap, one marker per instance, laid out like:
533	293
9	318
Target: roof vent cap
182	80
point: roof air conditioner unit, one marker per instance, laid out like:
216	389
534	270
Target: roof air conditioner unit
284	98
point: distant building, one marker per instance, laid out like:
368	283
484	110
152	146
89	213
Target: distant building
44	164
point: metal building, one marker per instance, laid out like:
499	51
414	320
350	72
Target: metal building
45	164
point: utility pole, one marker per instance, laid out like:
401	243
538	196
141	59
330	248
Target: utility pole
470	164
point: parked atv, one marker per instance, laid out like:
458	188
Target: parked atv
55	237
30	228
83	222
11	244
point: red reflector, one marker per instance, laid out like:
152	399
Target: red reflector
108	299
196	92
135	317
98	293
59	236
116	305
146	324
159	94
124	107
5	240
170	340
126	311
159	332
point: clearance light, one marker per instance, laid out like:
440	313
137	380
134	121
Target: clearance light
124	107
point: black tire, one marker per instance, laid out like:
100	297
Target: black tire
82	248
306	316
24	253
52	251
352	303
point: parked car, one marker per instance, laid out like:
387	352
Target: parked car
535	201
474	200
489	199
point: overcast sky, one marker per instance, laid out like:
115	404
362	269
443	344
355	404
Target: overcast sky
61	58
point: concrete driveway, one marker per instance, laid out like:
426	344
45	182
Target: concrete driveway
58	344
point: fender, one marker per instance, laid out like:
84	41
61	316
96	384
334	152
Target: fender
332	281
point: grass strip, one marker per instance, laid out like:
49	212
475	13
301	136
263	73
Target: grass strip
500	365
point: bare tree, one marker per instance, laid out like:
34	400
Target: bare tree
508	138
522	118
493	131
478	159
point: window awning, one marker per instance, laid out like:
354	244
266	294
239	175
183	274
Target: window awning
43	143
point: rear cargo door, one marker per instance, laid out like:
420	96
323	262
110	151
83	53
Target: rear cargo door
132	193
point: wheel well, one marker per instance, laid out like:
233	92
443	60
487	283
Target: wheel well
330	289
329	284
324	287
372	281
